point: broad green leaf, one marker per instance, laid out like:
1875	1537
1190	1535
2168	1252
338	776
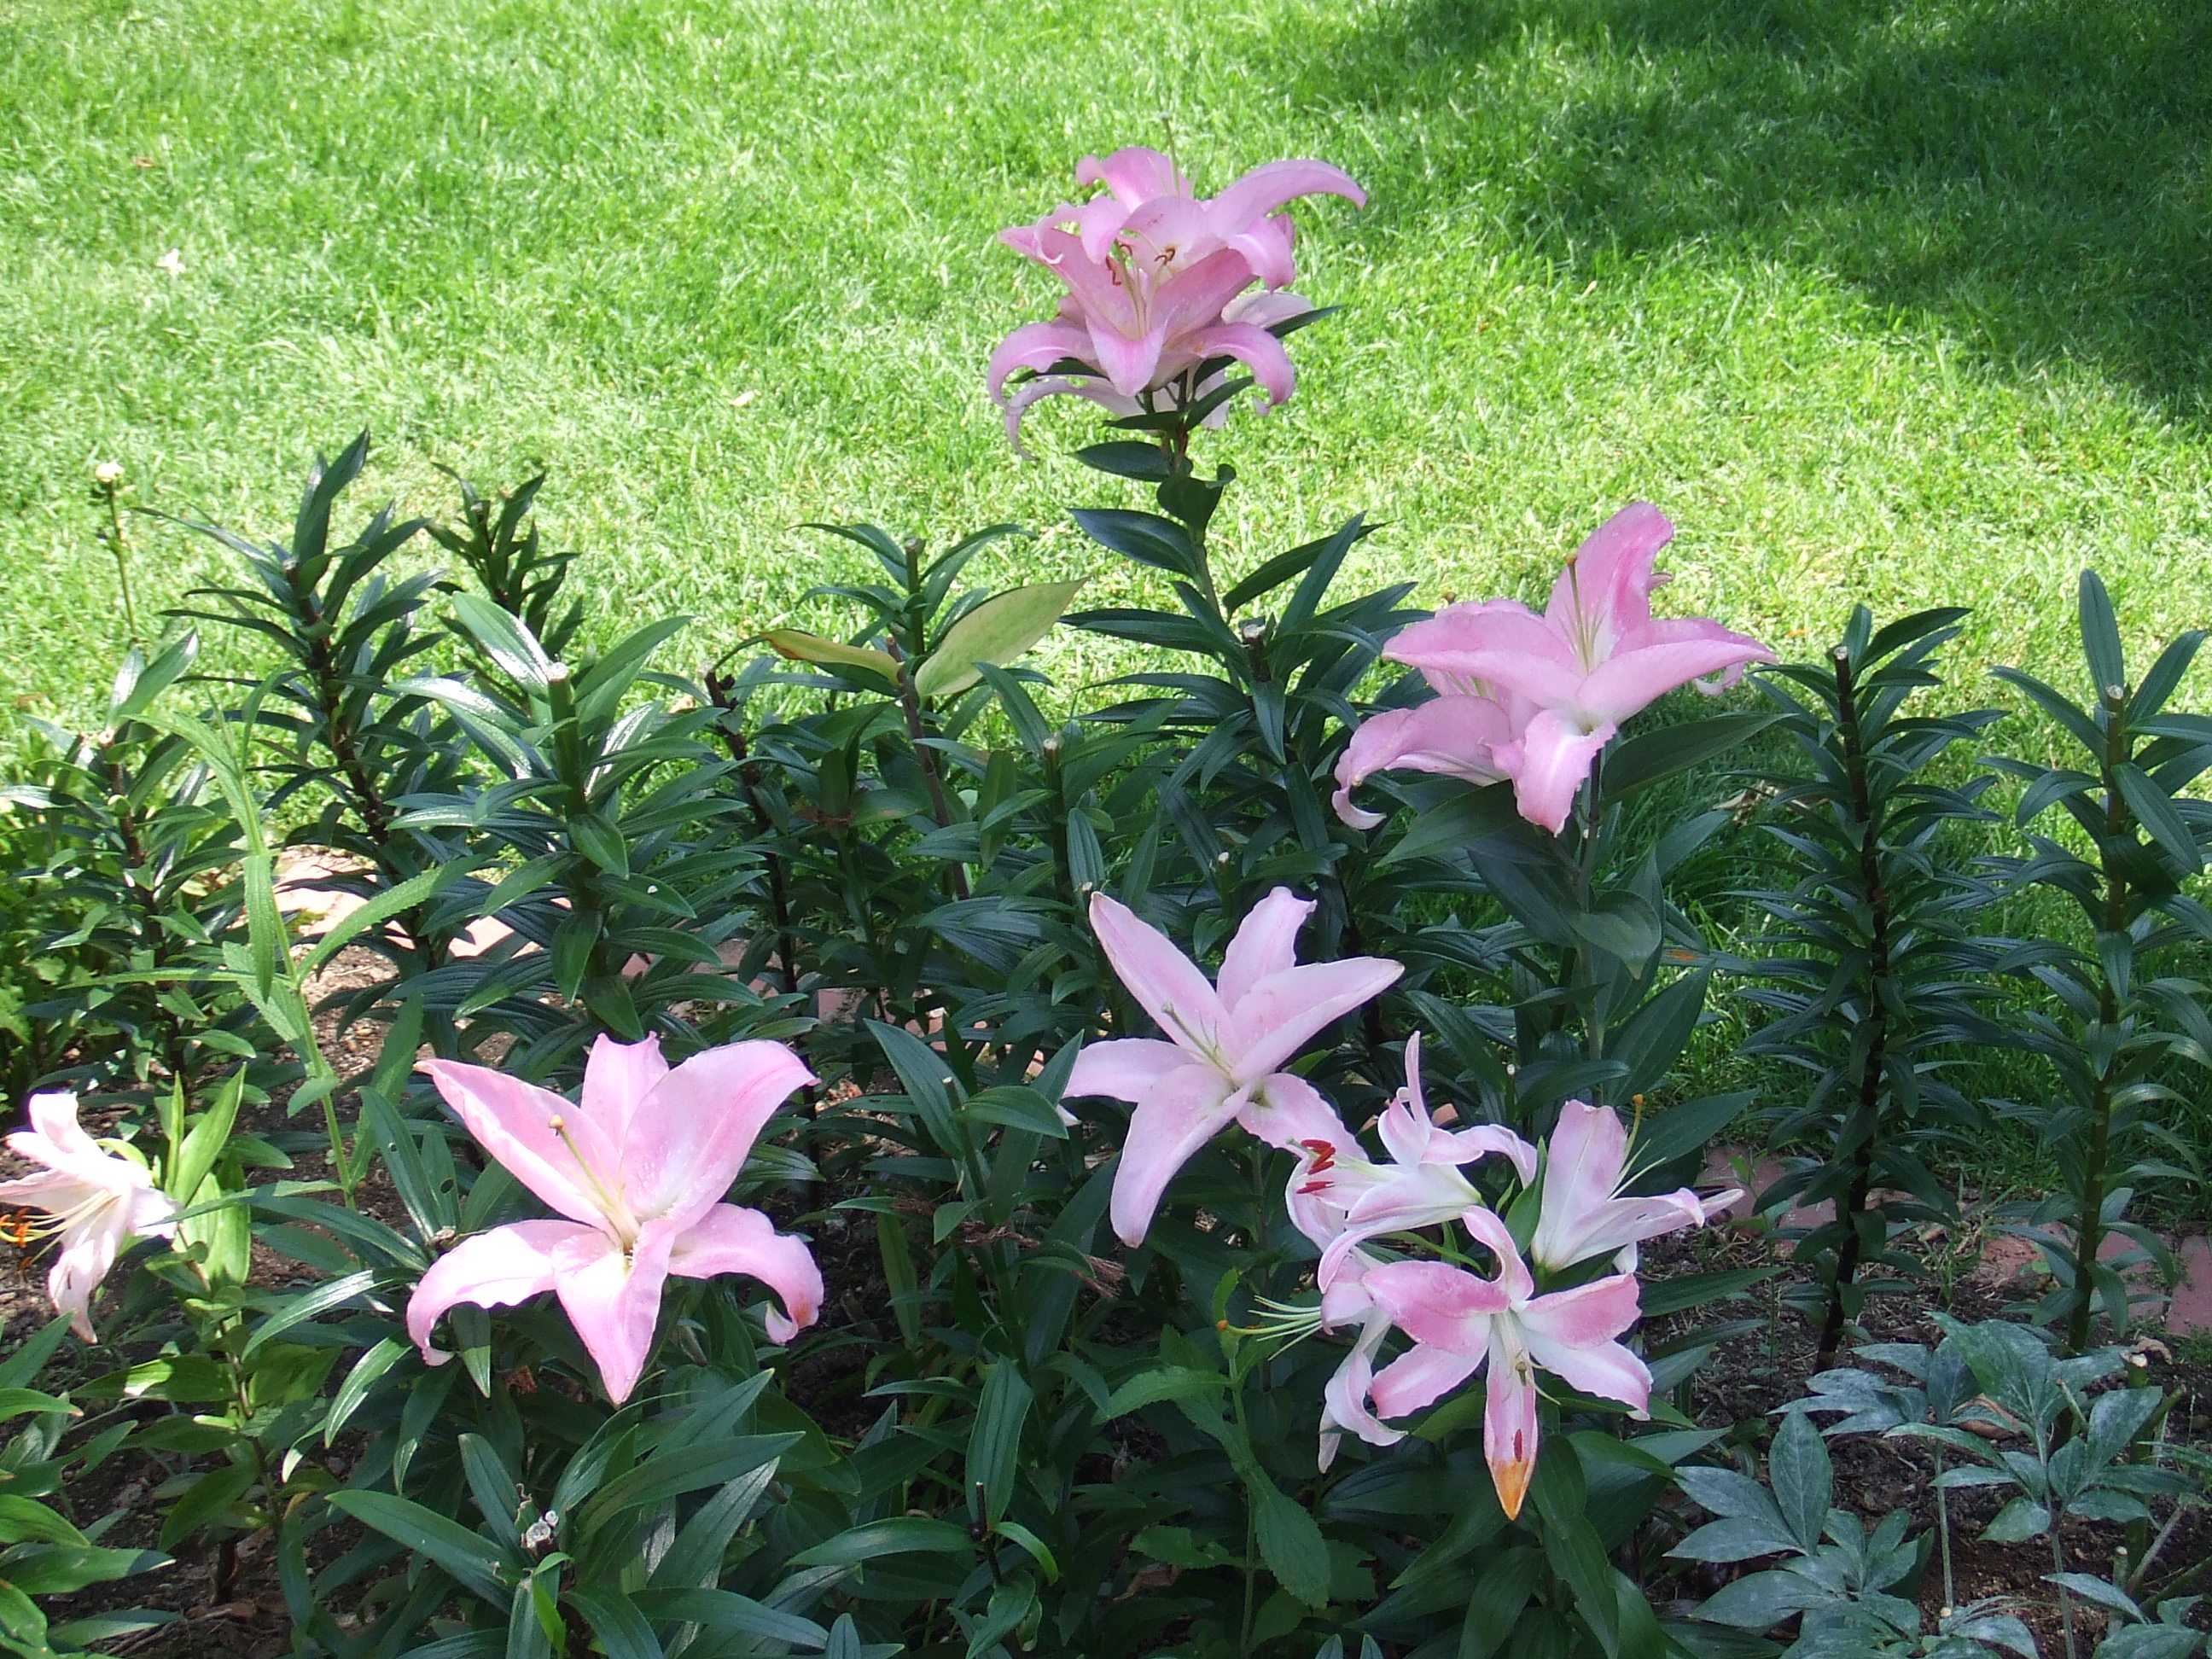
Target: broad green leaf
471	1558
512	648
994	1441
901	1536
1289	1542
996	632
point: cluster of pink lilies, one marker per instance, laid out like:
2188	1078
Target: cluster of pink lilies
637	1172
1159	283
1540	1306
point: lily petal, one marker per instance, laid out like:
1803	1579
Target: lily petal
692	1134
613	1298
1178	1115
513	1121
493	1269
1549	762
732	1239
1266	188
1122	1068
1035	346
1266	944
618	1077
1611	573
1438	1305
1421	1376
1254	347
1286	1110
1509	1422
1278	1016
1166	982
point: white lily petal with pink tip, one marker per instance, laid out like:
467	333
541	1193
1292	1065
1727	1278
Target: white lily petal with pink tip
95	1201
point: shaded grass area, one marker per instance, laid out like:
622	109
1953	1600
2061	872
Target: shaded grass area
1901	301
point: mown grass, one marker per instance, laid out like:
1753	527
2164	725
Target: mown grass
1907	301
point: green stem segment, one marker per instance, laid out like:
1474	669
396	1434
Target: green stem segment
2089	1219
1851	1250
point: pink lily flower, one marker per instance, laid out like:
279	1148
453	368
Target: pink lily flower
1584	1214
1596	656
1222	1061
639	1168
1420	1187
1260	310
95	1201
1154	275
1456	733
1347	1300
1460	1322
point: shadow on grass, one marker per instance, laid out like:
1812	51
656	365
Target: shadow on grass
2030	175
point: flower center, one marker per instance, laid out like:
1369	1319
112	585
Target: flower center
606	1195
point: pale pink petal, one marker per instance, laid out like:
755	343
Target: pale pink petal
1098	222
732	1239
514	1121
80	1262
1343	1398
53	1120
1509	1421
1165	981
1285	1110
692	1134
1266	245
1129	361
1420	1377
1280	1014
1404	1125
1486	1139
1059	385
1134	175
1266	944
1122	1068
45	1189
613	1298
1265	309
1633	679
1488	1228
1035	346
1585	1316
1549	763
1101	291
1264	189
1610	575
1608	1370
1475	630
1178	1115
495	1269
1195	297
1588	1153
1257	349
1438	1305
1168	232
616	1076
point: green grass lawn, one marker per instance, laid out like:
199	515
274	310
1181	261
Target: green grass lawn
1908	300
